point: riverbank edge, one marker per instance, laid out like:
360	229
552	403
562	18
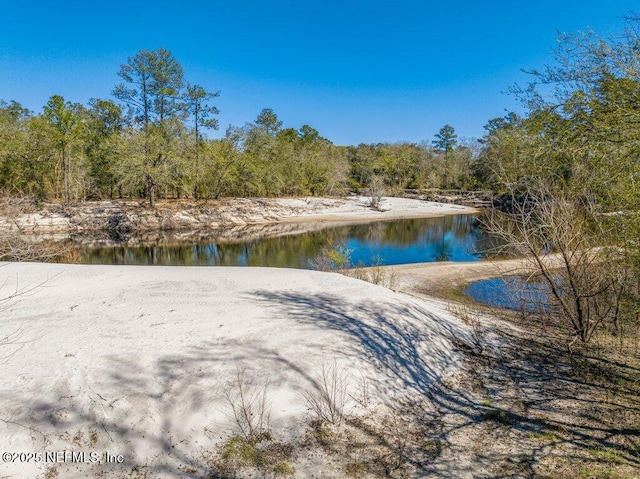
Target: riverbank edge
439	279
131	217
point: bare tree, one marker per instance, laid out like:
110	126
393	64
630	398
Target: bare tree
375	191
561	239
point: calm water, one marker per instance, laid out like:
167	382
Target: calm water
511	292
449	238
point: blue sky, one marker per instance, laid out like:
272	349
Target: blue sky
357	71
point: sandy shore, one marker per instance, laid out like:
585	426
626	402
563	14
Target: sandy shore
130	217
356	209
434	278
138	361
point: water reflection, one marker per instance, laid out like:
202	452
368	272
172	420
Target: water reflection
512	292
450	238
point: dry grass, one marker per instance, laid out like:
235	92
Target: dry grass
571	416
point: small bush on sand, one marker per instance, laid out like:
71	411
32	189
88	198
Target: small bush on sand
250	408
328	399
331	258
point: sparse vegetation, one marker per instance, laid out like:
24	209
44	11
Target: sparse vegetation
250	407
356	469
51	472
328	399
338	258
14	245
568	173
539	400
375	192
332	258
253	448
471	318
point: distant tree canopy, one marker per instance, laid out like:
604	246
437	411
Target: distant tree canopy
150	142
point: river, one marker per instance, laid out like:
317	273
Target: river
446	238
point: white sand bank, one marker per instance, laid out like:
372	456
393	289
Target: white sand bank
56	221
356	208
136	360
431	278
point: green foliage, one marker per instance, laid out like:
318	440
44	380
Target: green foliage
570	167
265	456
160	160
151	143
196	104
332	257
355	469
66	122
267	123
104	124
582	138
445	139
152	88
196	99
153	93
23	151
283	469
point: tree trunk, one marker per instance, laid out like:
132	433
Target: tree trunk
197	178
151	191
152	196
65	172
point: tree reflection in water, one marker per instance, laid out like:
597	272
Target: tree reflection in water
447	238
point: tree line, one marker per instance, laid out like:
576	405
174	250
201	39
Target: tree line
149	141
